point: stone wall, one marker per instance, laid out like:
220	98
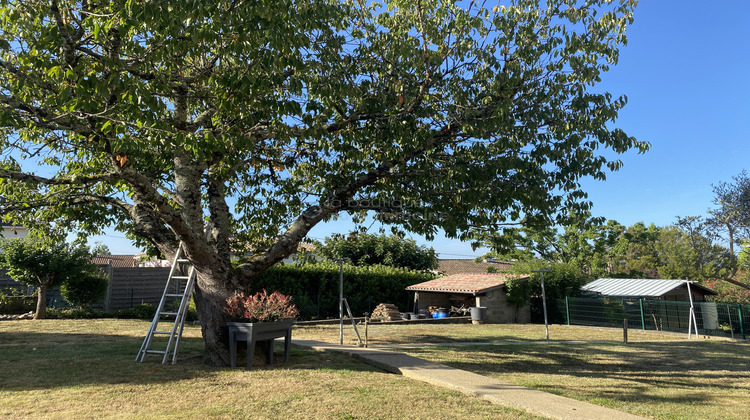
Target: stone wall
500	311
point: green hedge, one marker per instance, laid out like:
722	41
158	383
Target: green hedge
315	287
16	304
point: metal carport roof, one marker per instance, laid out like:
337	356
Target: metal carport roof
639	287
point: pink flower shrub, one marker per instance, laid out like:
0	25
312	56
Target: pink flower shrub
261	307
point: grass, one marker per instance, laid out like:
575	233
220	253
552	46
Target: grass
660	375
388	334
86	369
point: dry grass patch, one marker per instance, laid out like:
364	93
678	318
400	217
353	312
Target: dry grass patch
660	375
383	334
675	380
87	369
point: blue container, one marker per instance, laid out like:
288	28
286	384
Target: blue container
442	313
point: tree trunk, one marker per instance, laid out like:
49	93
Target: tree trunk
211	292
41	302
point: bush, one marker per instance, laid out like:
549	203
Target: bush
261	307
12	304
314	287
76	313
142	311
85	289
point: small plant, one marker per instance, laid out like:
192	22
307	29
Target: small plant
261	307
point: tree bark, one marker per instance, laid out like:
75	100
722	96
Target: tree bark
211	292
41	302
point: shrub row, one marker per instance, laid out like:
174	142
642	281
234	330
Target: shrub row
143	311
315	287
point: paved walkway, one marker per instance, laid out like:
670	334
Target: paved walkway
498	392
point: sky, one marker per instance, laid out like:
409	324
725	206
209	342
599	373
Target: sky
685	73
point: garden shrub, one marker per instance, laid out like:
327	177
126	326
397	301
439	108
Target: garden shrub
142	311
76	313
315	287
85	289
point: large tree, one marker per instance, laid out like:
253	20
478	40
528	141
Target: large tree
267	118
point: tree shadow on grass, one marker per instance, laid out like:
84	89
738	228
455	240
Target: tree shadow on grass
624	372
34	361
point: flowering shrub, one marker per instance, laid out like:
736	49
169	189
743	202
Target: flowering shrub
728	292
261	307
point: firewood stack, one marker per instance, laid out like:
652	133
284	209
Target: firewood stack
387	311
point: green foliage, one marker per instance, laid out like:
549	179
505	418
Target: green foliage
100	248
728	292
316	285
76	313
422	111
12	304
564	279
36	262
682	251
363	249
85	289
44	263
141	311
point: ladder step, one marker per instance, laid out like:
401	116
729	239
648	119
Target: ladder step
156	351
182	260
163	332
181	277
179	295
168	313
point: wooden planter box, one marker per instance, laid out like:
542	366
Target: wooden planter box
252	332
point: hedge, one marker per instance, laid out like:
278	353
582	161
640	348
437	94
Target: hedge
315	287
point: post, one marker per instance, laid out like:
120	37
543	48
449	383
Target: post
625	331
544	301
108	298
341	302
567	309
692	312
731	326
742	324
367	322
643	318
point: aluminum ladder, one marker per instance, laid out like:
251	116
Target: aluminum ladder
175	295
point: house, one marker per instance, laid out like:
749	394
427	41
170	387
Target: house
669	290
449	267
14	231
472	289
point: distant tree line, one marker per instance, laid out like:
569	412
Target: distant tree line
714	249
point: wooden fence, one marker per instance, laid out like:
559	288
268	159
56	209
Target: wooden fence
128	286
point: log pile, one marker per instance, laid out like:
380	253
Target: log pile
387	311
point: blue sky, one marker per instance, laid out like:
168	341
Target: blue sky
685	72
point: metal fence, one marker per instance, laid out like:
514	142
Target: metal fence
712	318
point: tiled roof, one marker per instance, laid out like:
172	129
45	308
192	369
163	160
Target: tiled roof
449	267
117	260
638	287
470	283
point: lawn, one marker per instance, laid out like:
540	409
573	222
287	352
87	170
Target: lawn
87	369
660	375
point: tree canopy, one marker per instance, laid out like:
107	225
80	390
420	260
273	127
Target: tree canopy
363	249
45	264
267	118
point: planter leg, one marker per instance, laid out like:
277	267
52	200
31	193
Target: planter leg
287	344
250	352
269	351
232	350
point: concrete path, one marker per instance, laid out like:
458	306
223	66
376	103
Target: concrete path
498	392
